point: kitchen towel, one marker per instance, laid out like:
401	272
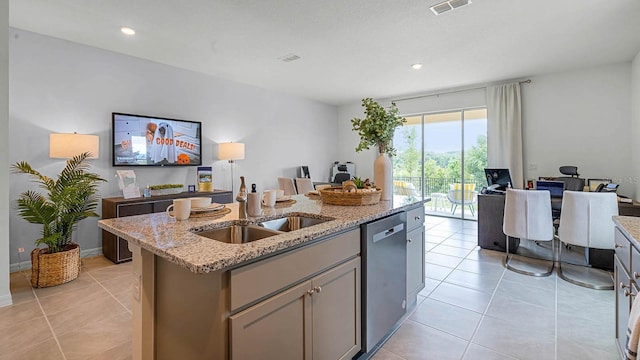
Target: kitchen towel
633	330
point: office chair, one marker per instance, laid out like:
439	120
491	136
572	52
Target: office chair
572	182
343	175
586	221
527	215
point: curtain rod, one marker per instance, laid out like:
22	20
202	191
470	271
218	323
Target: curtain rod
528	81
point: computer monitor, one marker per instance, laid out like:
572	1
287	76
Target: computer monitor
498	177
555	188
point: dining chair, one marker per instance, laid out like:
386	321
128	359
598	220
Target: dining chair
287	185
527	215
586	221
304	185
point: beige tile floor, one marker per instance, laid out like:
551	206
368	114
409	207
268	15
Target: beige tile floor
88	318
471	308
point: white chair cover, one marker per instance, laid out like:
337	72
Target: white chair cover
527	215
304	185
585	219
287	185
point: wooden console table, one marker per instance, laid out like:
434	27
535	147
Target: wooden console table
115	248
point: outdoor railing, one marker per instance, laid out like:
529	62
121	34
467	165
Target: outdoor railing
438	185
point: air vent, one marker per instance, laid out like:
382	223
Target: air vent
449	5
290	58
458	3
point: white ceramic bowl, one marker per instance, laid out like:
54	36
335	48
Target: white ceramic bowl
200	202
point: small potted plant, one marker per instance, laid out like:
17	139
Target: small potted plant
377	129
69	199
165	189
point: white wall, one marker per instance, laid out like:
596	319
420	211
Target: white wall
5	295
580	118
59	86
635	123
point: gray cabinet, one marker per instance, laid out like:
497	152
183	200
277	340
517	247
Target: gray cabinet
316	319
415	253
626	276
490	216
302	304
336	312
275	328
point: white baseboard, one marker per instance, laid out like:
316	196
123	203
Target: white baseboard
5	300
26	265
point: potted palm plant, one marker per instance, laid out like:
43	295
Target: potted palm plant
377	129
69	198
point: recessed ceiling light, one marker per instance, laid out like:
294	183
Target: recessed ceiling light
127	30
416	66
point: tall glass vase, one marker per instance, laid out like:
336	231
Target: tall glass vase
383	176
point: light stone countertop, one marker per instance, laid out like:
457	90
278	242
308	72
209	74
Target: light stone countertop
630	226
179	242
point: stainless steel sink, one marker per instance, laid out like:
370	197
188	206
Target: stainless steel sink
291	223
239	234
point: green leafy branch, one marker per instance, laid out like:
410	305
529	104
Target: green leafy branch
378	127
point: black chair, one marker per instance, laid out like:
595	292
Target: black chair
572	183
340	177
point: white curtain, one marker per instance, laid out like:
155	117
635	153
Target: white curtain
504	128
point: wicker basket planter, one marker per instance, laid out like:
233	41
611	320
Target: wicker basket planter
54	269
335	196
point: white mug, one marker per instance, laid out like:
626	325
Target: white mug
269	198
253	204
181	209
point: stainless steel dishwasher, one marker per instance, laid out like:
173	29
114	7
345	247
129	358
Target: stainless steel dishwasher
384	279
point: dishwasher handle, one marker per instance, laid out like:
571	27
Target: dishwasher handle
387	233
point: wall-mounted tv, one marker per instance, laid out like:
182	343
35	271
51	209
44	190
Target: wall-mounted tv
140	140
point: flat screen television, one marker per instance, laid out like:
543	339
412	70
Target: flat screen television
140	140
498	178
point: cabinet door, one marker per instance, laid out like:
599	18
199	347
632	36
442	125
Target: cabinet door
134	209
161	206
336	312
415	263
277	328
623	303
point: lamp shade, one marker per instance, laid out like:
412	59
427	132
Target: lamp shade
66	146
231	151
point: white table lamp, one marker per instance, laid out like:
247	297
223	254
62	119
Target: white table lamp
66	146
231	151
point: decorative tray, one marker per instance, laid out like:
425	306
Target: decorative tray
213	214
336	196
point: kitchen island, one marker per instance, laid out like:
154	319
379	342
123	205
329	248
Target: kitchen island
194	297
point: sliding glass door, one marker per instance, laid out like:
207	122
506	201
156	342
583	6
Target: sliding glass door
443	156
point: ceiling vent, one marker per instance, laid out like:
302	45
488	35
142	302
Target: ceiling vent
290	58
449	5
